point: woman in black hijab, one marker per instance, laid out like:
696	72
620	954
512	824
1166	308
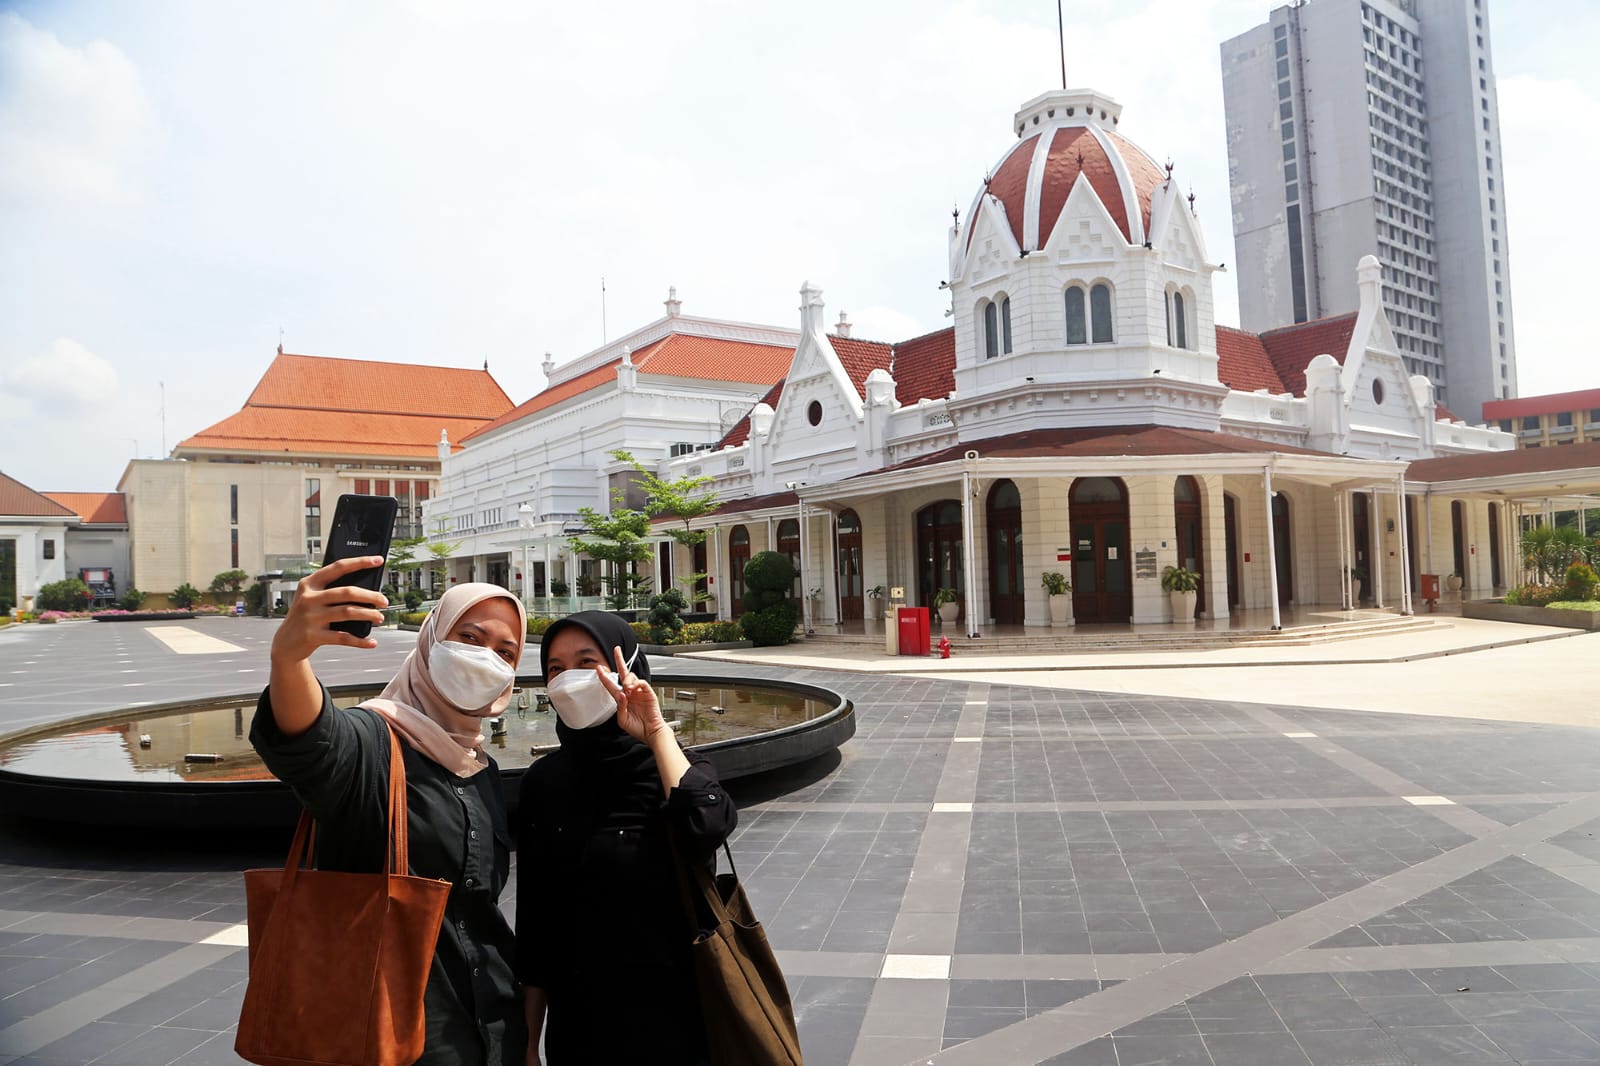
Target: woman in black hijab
602	937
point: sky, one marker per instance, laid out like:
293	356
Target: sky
448	181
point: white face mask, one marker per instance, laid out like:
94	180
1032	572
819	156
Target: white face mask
469	676
581	699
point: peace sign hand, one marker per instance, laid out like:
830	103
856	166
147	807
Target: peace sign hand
638	710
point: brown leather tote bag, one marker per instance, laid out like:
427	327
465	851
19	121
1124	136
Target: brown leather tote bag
339	961
748	1016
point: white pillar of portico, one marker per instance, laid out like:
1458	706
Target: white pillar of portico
1272	551
805	559
1344	548
967	536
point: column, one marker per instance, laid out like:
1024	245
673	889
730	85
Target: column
1272	551
1405	545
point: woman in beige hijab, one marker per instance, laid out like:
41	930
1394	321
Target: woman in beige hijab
337	762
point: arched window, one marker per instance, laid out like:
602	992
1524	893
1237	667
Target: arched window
1100	313
991	331
1077	325
789	544
1178	323
1005	324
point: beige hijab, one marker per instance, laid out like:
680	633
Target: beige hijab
447	734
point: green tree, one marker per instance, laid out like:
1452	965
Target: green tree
439	552
185	596
769	614
620	541
682	499
403	562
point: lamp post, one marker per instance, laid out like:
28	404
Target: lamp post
525	524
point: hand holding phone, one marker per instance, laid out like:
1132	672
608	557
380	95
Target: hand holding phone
362	525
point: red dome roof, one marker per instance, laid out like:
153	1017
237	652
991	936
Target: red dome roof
1066	136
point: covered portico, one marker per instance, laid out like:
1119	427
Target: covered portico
1264	524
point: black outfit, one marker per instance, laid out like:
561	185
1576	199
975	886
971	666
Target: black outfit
457	831
600	917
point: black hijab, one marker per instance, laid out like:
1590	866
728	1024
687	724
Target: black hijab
604	746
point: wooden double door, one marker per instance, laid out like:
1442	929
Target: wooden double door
1102	589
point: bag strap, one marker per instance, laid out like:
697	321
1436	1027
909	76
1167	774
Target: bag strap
397	854
399	850
701	879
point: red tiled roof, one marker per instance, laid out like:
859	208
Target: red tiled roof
310	405
1144	171
1444	414
683	355
1243	363
95	508
551	396
319	383
741	429
1009	184
1549	404
925	367
279	431
18	499
1291	348
861	358
679	355
1584	456
1093	441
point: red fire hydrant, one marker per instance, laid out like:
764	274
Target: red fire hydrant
944	647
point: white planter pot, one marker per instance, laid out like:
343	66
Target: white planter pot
874	609
1453	582
1060	609
948	611
1183	607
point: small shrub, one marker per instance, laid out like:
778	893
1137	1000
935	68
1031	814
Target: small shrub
131	600
1581	582
664	621
185	596
560	588
413	618
69	595
1535	595
537	626
413	599
768	577
50	618
771	626
711	633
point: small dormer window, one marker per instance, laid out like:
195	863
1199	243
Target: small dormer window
814	413
1177	321
1005	324
991	330
1377	391
1100	313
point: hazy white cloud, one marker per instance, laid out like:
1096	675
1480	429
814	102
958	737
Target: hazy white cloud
75	123
68	379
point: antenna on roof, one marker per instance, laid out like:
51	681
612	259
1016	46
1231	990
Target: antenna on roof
486	364
1061	35
602	310
280	340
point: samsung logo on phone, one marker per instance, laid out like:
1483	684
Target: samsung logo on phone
356	543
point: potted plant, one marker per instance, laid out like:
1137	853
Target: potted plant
948	606
1358	574
1182	586
1058	591
559	587
1454	582
875	602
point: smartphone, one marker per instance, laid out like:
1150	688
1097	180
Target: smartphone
362	525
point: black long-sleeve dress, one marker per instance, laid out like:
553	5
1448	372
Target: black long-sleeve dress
600	921
457	830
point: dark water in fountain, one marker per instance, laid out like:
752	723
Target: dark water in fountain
211	742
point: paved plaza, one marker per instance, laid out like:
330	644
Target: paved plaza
1001	867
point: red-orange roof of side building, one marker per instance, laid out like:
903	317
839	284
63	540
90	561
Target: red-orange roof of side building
18	499
95	508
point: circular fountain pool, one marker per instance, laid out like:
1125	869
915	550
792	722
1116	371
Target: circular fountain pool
190	764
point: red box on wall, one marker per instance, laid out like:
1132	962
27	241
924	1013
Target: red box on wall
914	630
